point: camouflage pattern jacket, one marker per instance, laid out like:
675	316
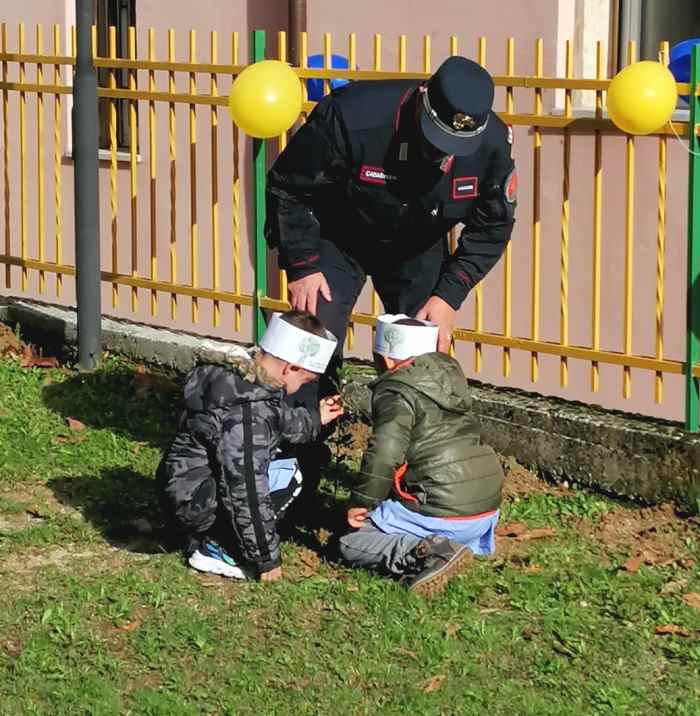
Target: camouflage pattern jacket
234	419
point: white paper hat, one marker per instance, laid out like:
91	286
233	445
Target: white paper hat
287	342
401	342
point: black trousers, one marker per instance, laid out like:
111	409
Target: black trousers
404	281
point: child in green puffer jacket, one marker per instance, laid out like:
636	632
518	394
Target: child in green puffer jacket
428	494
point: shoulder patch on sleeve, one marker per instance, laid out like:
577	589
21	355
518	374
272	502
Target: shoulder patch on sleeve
510	187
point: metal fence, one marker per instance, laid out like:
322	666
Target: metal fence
177	125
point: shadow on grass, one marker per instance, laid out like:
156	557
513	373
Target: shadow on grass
142	406
121	504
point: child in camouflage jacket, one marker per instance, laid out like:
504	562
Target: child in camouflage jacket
219	481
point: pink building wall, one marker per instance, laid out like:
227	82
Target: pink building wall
525	21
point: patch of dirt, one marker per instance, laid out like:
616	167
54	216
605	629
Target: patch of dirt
33	562
10	344
38	502
349	441
521	481
655	534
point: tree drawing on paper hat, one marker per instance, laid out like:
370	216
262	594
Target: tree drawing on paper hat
309	347
391	336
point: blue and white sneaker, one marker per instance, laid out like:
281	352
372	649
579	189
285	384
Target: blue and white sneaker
214	559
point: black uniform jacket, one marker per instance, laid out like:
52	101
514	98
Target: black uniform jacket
354	174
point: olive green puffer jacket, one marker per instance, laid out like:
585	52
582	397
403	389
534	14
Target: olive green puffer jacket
422	416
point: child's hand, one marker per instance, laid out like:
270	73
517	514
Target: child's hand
330	408
272	576
357	516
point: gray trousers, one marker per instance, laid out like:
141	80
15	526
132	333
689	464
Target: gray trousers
371	548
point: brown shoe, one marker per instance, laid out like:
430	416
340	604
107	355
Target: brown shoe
442	559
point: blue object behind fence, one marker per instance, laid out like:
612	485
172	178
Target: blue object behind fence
314	87
680	61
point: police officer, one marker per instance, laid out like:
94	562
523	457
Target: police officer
371	185
373	182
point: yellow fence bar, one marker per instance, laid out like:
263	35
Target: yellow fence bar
194	229
40	158
172	155
597	224
236	203
525	81
24	199
508	254
402	53
57	156
214	116
327	59
133	176
282	143
6	156
661	250
427	52
565	221
113	199
152	154
377	67
629	244
352	62
536	219
479	289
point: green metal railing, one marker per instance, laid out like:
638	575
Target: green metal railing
693	298
259	171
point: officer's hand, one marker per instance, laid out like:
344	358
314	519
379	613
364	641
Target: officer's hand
303	293
441	313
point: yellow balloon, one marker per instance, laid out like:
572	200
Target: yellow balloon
265	99
642	97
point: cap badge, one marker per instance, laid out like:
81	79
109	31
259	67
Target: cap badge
463	121
392	337
309	347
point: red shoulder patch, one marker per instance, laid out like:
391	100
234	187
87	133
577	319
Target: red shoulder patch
510	187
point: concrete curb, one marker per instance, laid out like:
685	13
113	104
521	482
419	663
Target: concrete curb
626	455
56	327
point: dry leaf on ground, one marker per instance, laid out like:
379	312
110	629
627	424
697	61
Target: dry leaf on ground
633	564
671	629
129	626
434	683
540	533
75	425
324	535
31	359
656	559
452	629
511	529
692	599
407	652
70	439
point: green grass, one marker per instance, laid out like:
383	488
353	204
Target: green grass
91	624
